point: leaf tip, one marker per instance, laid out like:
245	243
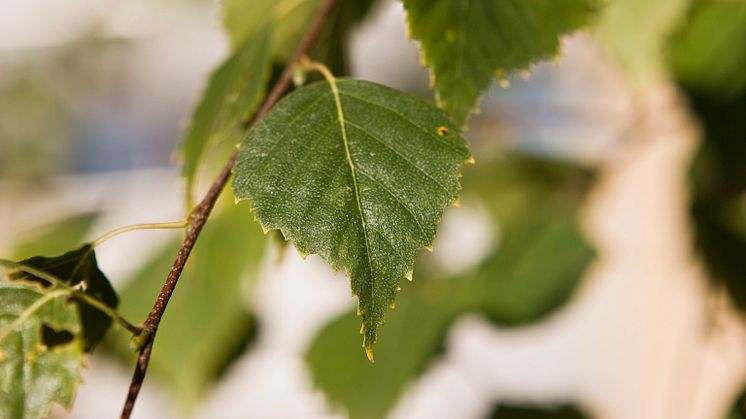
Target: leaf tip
369	353
409	274
471	160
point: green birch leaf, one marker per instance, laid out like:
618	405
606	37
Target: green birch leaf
78	269
41	349
232	95
467	42
360	174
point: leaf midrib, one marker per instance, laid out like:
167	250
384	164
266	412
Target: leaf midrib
355	186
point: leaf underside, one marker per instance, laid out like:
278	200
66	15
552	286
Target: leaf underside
45	329
32	374
232	95
467	42
78	268
360	176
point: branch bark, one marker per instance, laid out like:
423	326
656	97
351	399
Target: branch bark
201	212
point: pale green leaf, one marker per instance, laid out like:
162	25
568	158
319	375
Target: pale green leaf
208	321
534	270
467	42
41	350
635	34
53	237
290	19
232	95
358	173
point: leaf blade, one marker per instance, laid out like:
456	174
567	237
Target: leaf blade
332	168
233	93
465	43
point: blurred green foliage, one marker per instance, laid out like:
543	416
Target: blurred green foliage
532	271
208	321
532	412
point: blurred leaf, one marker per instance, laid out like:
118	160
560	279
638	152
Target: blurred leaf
334	42
738	411
290	19
533	271
532	412
54	237
35	373
719	190
635	34
207	322
709	53
358	173
467	43
233	94
77	269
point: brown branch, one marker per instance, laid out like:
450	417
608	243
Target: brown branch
201	212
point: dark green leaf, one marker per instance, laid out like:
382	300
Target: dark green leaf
232	95
738	411
467	42
78	269
207	321
534	412
358	173
35	373
534	270
709	52
719	184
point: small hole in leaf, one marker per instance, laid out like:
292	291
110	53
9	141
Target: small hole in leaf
51	338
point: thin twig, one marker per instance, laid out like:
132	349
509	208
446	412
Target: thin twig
200	213
134	227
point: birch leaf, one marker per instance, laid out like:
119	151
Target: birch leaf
467	42
358	173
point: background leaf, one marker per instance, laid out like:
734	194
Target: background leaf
361	178
466	43
635	34
207	322
535	412
289	18
232	95
709	53
54	237
532	271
